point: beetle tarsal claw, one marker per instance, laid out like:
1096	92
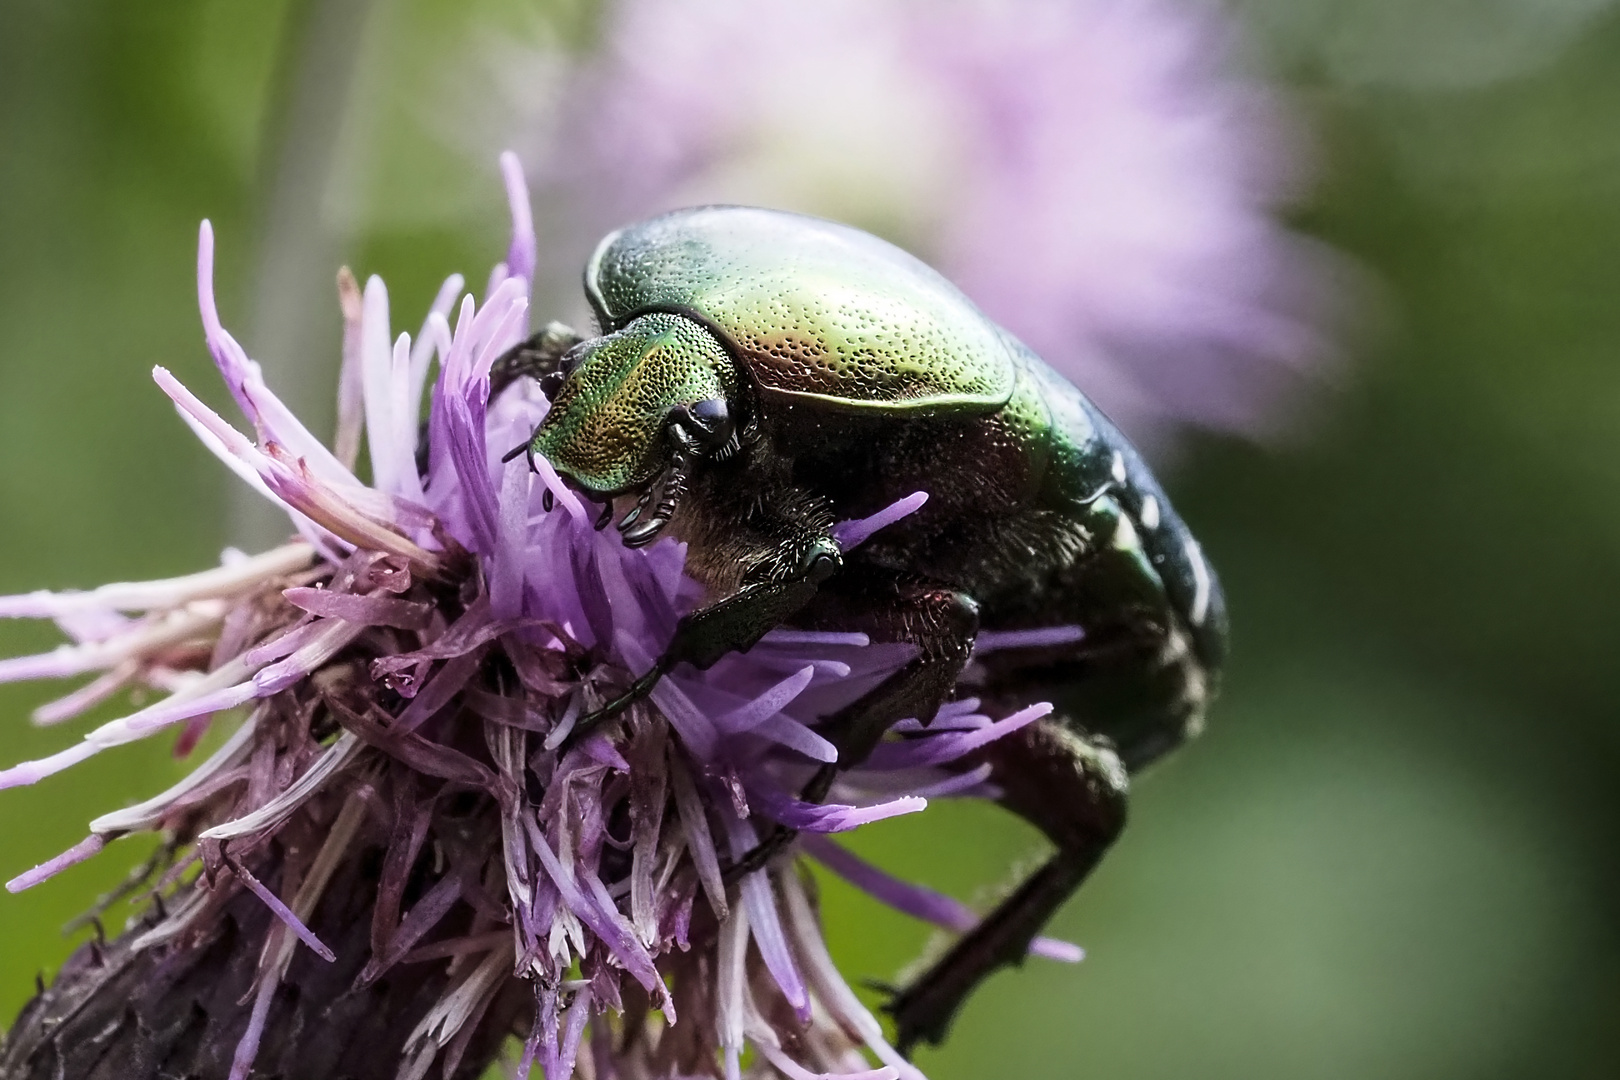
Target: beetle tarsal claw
674	490
697	432
635	511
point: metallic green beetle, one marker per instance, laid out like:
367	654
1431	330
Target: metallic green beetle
761	375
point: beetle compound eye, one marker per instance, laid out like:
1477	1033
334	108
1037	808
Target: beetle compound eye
710	422
711	413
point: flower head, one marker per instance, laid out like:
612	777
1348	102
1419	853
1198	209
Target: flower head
405	676
1092	173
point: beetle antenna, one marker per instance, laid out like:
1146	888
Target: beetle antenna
605	516
516	450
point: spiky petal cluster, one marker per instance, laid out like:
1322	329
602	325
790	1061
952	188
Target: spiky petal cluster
407	672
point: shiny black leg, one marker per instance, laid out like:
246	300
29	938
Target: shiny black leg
1074	790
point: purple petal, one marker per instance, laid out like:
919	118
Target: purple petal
495	329
391	410
791	639
560	491
851	534
730	990
272	420
283	644
766	705
351	410
424	915
940	749
508	711
85	697
628	611
794	1071
573	1029
291	482
362	610
598	912
444	685
796	736
377	378
1039	638
831	991
323	542
915	900
282	911
925	783
335	636
511	535
247	1048
434	339
765	925
603	752
520	256
694	727
473	630
213	330
699	840
465	441
281	807
74	855
220	581
825	817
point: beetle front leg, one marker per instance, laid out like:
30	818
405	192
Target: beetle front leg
1071	787
777	588
540	357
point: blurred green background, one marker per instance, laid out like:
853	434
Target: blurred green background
1395	852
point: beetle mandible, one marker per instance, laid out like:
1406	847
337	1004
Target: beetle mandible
760	375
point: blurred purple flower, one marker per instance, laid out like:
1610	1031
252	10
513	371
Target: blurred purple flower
438	632
1091	172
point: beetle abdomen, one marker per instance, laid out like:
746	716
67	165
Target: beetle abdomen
1135	580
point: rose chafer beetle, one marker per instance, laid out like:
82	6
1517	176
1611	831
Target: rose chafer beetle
761	375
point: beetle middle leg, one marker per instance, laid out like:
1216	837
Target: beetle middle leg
1073	788
941	622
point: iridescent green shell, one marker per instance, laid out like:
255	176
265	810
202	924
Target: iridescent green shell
817	311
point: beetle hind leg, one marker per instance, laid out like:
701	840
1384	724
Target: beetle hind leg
1073	788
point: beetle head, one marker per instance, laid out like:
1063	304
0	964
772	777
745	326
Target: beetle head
640	406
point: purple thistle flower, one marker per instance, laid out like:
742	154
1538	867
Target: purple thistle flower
403	677
1092	173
